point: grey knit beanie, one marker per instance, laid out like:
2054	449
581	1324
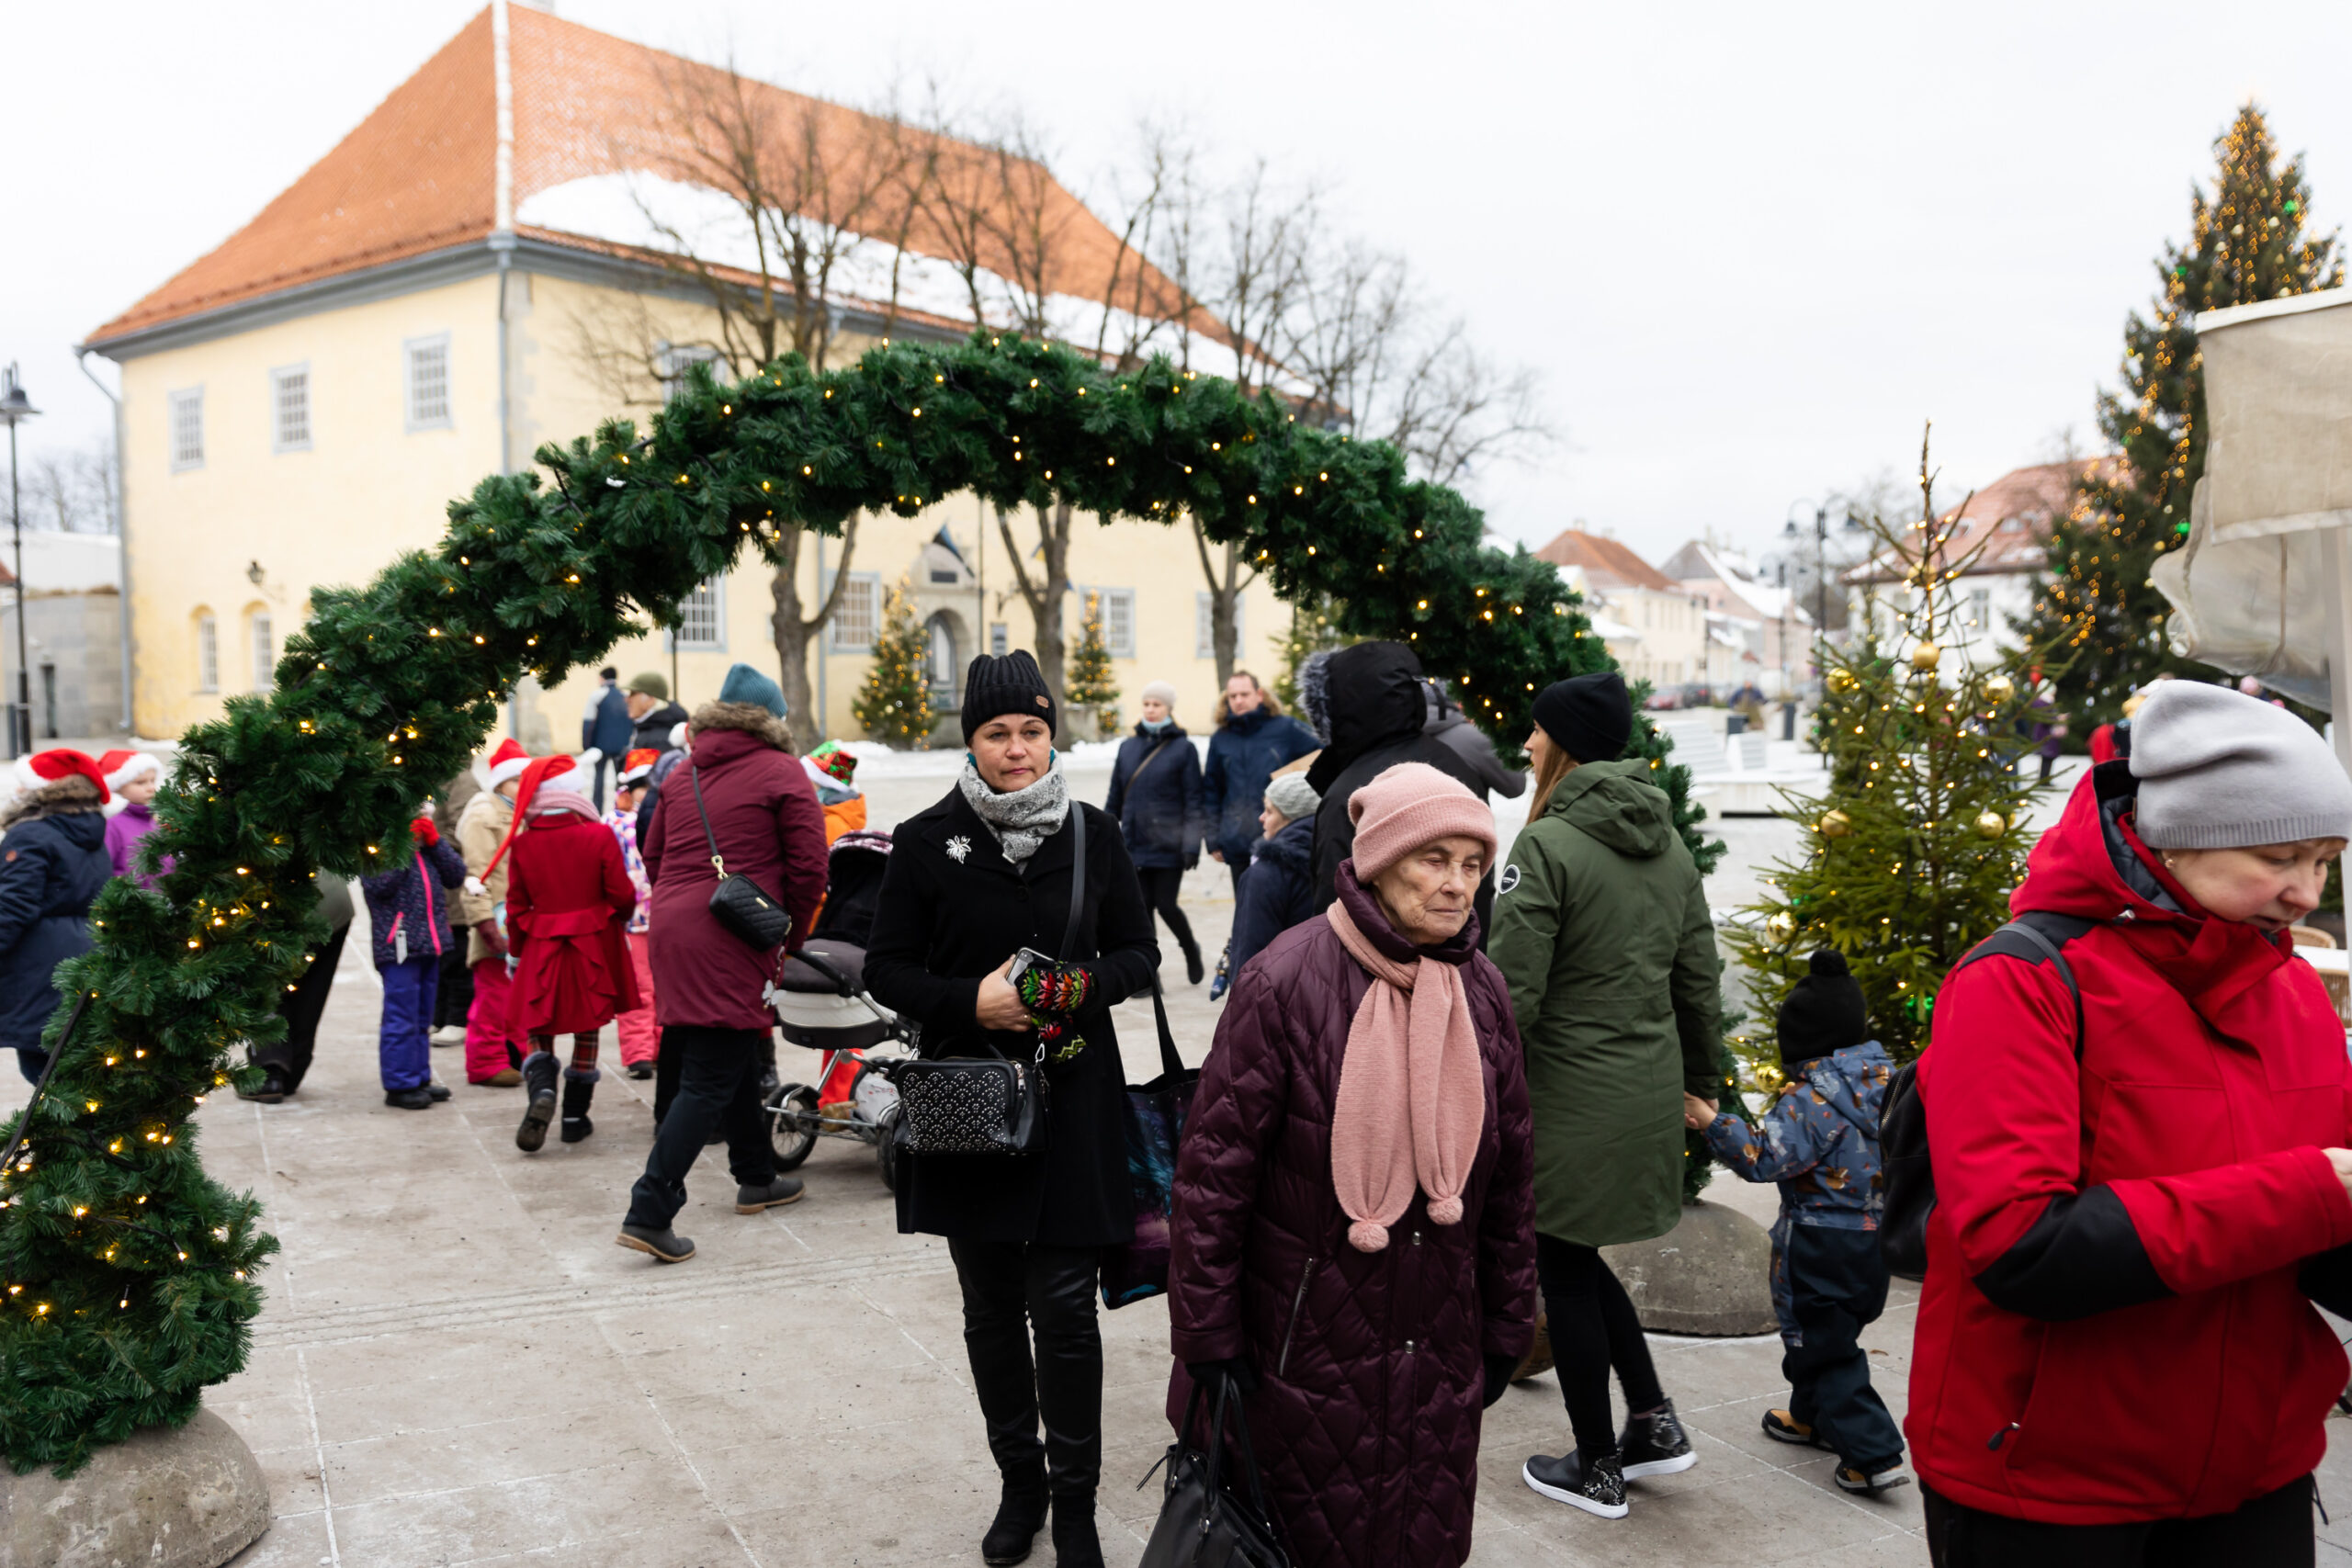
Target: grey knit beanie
2218	770
1290	794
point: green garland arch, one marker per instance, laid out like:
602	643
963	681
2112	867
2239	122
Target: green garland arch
128	1276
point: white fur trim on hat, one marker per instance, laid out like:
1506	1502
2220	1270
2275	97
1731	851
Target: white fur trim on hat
138	766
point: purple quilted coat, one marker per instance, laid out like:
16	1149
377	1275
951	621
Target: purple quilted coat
1371	1364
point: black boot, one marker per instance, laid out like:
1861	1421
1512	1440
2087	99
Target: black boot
1192	969
539	1073
1075	1544
577	1093
1019	1515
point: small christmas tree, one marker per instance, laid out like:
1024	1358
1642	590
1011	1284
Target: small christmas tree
1313	629
894	702
1914	847
1089	682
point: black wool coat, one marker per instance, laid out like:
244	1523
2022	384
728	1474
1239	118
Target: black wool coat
1155	797
952	910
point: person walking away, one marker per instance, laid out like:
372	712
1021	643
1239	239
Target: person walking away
973	880
1352	1241
568	898
1820	1142
1601	929
133	778
1376	713
606	728
1448	724
652	713
453	999
53	864
2117	1359
286	1061
408	918
640	1035
742	778
1277	890
1253	737
1156	800
494	1048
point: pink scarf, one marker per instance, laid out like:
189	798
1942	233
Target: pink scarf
1412	1092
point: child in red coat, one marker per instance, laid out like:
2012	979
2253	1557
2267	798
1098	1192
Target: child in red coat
568	900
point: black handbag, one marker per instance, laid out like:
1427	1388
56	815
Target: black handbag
1203	1524
740	904
989	1105
1153	1119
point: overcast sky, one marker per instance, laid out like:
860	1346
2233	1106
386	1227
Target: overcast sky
1750	248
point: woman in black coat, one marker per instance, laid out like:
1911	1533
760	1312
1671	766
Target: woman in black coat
53	864
1155	799
974	879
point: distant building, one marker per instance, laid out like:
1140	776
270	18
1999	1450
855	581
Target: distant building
72	607
1660	625
1757	631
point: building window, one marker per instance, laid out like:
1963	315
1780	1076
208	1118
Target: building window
208	652
265	652
677	359
1980	608
940	666
1204	624
188	429
428	382
999	638
858	613
289	403
702	619
1117	608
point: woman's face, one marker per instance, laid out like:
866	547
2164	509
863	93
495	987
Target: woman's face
1012	751
2269	887
1154	710
1539	746
141	790
1271	821
1427	895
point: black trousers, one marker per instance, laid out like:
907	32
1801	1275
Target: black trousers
2273	1532
719	1083
1593	1328
1837	1284
1012	1292
302	1008
455	999
667	1068
1161	886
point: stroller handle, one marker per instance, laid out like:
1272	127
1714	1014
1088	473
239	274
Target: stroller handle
817	962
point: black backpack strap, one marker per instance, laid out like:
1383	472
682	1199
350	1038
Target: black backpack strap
2039	936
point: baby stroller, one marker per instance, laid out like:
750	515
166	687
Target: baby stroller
822	1004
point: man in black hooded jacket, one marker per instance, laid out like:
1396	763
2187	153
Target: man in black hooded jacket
1376	712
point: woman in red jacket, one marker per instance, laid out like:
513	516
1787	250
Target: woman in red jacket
568	898
2117	1359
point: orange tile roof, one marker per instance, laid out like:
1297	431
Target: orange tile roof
419	173
2029	499
1607	557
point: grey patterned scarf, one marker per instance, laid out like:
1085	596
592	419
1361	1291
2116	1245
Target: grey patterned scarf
1020	819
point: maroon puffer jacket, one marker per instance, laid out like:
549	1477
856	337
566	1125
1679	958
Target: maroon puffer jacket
1371	1364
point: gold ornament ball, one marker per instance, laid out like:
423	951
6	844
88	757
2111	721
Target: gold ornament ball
1992	825
1841	680
1926	657
1781	927
1835	824
1999	688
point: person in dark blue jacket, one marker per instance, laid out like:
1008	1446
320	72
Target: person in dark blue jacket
53	863
1253	738
1155	797
1278	890
606	729
408	914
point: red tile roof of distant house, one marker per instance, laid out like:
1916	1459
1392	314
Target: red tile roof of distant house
2011	518
1606	562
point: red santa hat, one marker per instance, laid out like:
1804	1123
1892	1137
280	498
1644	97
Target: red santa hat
43	768
508	761
128	767
534	772
638	764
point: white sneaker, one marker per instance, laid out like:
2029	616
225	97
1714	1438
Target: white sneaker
449	1035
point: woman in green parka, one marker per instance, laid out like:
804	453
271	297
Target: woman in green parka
1603	932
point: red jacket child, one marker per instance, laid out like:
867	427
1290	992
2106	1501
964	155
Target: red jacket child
569	898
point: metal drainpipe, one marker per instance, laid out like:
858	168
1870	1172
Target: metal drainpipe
824	636
121	537
502	246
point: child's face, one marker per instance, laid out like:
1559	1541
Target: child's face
626	799
141	790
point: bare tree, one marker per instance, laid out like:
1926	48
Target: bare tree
72	490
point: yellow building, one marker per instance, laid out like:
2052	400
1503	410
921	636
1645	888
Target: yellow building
436	298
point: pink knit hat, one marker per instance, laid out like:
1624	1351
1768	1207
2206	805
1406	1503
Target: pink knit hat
1410	805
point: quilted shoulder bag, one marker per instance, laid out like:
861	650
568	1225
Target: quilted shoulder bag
740	904
991	1104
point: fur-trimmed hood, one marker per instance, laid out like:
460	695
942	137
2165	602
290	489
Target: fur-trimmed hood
68	796
749	718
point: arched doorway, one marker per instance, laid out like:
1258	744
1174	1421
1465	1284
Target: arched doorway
943	661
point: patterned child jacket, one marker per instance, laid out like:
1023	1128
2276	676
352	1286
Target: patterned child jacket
624	827
1819	1141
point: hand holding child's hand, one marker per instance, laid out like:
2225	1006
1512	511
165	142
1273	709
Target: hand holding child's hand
1696	1112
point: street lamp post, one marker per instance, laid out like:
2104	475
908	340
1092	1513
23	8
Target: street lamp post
14	408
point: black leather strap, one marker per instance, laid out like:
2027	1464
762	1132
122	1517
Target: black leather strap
717	862
1077	926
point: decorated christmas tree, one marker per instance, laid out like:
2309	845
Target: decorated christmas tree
2098	609
1913	847
1313	628
1089	682
894	701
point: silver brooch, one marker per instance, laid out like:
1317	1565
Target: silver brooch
957	848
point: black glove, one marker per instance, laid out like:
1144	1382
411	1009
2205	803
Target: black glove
1499	1371
1208	1374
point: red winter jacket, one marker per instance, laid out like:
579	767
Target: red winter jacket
568	897
2113	1327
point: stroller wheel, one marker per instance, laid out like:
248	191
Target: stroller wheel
790	1140
885	1146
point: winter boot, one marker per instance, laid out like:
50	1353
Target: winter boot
578	1090
1192	969
1019	1515
1075	1544
1654	1445
539	1073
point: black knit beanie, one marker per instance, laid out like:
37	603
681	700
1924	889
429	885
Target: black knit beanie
995	686
1823	1012
1590	718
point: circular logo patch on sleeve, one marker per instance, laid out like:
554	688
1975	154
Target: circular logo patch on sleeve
1508	880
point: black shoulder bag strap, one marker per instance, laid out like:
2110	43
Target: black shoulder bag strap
1076	929
717	862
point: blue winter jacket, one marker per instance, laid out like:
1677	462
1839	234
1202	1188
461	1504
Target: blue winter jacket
1242	756
53	863
409	898
1277	892
1819	1141
1156	798
610	730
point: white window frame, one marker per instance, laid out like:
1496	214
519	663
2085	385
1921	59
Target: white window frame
1119	642
839	632
1205	624
999	638
677	359
296	378
261	641
708	595
208	652
421	416
186	407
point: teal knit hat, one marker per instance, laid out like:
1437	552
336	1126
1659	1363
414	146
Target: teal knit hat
745	685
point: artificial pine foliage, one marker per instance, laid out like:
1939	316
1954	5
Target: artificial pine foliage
1089	682
894	702
128	1276
2097	608
1912	849
1311	631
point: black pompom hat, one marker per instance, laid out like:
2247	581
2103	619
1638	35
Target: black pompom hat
1009	683
1823	1012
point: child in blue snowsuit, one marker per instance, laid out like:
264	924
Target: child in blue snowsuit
408	911
1820	1142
